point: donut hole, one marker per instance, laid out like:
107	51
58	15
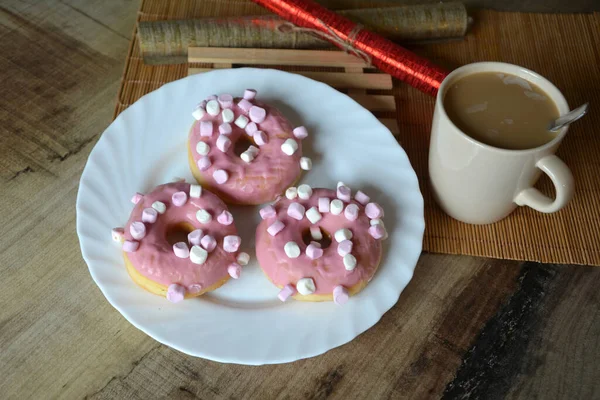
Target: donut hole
178	232
325	242
242	144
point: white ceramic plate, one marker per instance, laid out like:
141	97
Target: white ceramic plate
243	321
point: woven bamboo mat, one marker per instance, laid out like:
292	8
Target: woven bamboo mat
564	48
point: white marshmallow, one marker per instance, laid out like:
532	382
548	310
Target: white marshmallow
195	191
292	250
198	255
349	262
316	234
243	258
241	121
379	222
253	149
203	216
305	286
198	113
213	107
202	148
342	234
340	183
159	206
305	163
117	234
289	147
313	215
291	192
247	156
336	207
304	192
227	115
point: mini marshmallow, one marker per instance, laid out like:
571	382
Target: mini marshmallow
231	243
241	121
349	262
198	255
206	128
292	250
380	222
305	286
362	198
296	211
203	216
343	193
198	113
323	204
227	115
275	228
304	192
249	94
225	218
208	242
340	295
225	100
342	234
300	132
305	163
257	114
181	250
260	138
179	199
129	246
117	234
137	230
247	156
220	176
211	97
245	105
315	233
336	207
234	270
194	237
313	252
194	288
313	215
377	231
149	215
195	191
137	198
344	247
175	293
374	211
286	292
289	147
223	143
243	258
213	108
351	212
159	206
267	212
253	150
225	129
291	192
202	104
251	129
317	244
204	163
202	148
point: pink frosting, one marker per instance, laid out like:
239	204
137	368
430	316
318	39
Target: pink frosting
261	180
155	258
327	271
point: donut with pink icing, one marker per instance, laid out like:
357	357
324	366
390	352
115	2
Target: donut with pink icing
244	150
180	241
320	244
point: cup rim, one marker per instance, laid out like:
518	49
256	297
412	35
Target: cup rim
492	66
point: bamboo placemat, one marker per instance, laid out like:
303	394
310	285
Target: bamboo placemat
565	48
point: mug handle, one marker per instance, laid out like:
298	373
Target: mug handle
562	178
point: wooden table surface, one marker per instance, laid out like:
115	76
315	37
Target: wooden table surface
464	326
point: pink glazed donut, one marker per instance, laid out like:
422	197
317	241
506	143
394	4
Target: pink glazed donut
320	244
270	151
180	241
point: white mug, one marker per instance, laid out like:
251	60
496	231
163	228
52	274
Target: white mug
480	184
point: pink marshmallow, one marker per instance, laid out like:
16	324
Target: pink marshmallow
129	246
234	270
300	132
374	211
362	198
194	288
202	104
249	94
181	250
275	228
267	212
251	128
137	230
315	231
221	176
245	105
260	138
296	211
313	252
351	212
149	215
286	292
340	295
206	128
323	204
257	114
231	243
208	242
377	231
211	97
137	198
204	163
225	128
175	293
225	100
343	193
344	247
179	198
194	237
223	143
225	218
316	244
